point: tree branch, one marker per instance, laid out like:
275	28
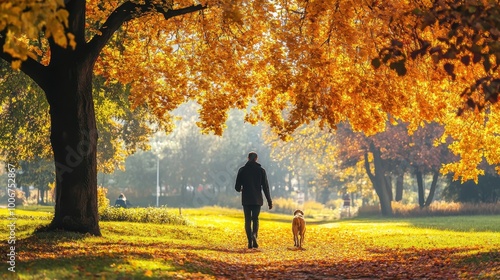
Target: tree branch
128	11
368	170
30	67
432	191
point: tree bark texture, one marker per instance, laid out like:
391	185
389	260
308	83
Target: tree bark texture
399	186
388	184
421	189
432	191
74	142
378	180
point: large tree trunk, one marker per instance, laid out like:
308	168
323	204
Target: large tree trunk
421	188
432	191
378	180
67	83
74	141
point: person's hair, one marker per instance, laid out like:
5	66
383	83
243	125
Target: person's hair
252	156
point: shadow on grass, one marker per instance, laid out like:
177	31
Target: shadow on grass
61	255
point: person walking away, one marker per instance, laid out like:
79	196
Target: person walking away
251	181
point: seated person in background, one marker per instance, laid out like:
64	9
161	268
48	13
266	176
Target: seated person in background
122	201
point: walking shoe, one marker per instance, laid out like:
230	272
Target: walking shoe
254	239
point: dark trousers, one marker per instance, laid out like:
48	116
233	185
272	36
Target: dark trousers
251	217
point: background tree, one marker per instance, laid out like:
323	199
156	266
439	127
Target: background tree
38	173
487	190
137	180
189	158
308	154
428	157
24	132
394	153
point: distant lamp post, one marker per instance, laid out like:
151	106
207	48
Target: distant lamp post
158	146
157	180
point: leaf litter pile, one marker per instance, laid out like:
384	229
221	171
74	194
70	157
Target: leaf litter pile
214	247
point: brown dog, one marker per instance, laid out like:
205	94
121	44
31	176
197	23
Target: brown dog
298	228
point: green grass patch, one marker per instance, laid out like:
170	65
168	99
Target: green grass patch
479	223
37	208
25	214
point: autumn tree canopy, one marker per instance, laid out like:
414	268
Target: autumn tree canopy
283	62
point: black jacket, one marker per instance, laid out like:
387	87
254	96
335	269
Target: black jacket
252	177
120	202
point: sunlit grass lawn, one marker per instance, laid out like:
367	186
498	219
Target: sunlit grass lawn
213	245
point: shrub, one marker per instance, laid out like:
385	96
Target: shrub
102	200
316	210
142	215
334	203
284	205
312	209
313	205
437	208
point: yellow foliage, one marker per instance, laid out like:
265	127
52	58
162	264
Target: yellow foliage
287	63
27	19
